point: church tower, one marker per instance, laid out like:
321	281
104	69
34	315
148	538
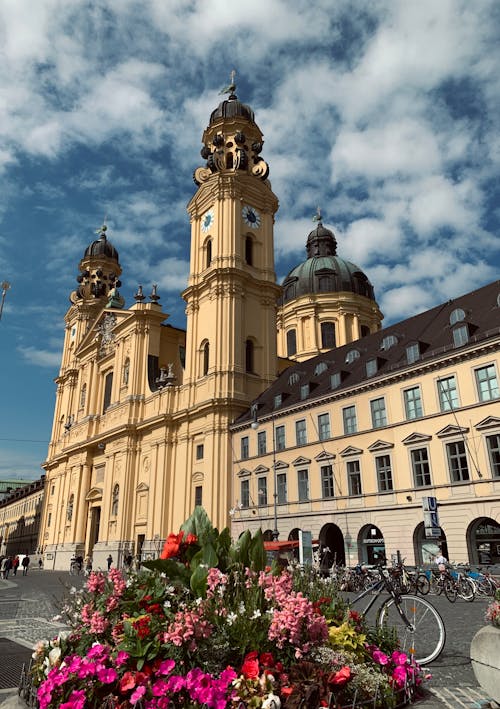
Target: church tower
232	291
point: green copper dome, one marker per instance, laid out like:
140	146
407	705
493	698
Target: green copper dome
324	271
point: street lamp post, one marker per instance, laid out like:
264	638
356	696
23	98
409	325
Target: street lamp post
5	286
255	426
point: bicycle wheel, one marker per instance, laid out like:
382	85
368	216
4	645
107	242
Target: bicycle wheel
466	589
450	590
485	586
426	636
422	584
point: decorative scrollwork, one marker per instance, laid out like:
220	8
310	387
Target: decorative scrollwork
201	174
261	169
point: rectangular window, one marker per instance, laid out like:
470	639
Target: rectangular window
487	383
108	386
303	483
199	451
261	442
49	519
278	399
413	403
371	367
354	477
379	416
327	489
245	493
304	391
460	335
349	417
280	438
324	426
300	432
262	491
384	473
198	496
412	353
52	489
281	488
335	380
244	448
448	394
493	443
420	466
457	461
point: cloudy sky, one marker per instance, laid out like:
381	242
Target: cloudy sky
386	114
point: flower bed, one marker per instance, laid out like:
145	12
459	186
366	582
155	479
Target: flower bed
209	626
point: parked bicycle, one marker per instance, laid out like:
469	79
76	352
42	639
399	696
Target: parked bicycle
409	581
486	584
419	627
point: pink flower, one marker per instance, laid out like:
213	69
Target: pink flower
121	658
380	657
107	675
137	694
76	700
399	675
399	658
166	667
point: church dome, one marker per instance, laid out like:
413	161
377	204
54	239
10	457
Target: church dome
101	247
231	108
325	272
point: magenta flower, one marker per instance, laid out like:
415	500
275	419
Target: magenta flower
76	700
107	675
166	667
380	657
137	694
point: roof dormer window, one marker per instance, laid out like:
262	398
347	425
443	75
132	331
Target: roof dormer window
352	356
388	342
457	315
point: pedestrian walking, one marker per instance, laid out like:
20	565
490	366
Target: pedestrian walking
88	565
25	563
15	565
40	563
3	568
110	561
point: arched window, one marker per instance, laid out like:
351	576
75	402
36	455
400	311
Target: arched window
206	357
69	509
327	335
209	253
126	372
249	250
108	386
115	499
249	356
291	342
83	396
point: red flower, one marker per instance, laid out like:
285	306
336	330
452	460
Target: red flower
286	691
340	677
355	616
191	538
127	682
172	545
250	667
266	659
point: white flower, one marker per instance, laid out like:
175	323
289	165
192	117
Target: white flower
271	702
231	618
54	655
256	614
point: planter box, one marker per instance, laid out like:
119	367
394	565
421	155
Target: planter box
485	657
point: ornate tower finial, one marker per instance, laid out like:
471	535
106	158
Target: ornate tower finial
317	217
230	88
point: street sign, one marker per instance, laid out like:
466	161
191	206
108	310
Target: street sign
431	520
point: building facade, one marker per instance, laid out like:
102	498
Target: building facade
349	443
151	420
20	517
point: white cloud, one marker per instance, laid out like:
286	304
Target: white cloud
40	358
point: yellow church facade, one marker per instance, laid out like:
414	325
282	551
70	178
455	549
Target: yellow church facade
151	420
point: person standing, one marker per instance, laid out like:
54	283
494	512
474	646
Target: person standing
3	567
25	563
15	565
110	561
88	565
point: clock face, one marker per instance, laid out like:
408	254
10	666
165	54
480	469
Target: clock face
207	220
251	217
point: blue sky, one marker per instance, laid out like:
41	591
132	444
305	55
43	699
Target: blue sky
385	114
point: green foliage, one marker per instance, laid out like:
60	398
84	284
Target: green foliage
202	547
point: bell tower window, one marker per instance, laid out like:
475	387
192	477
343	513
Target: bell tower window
291	342
208	253
327	335
249	356
206	358
249	250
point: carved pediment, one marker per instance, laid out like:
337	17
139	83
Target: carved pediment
351	450
301	461
95	493
244	473
281	465
142	487
488	422
380	446
198	477
451	430
324	455
416	438
261	469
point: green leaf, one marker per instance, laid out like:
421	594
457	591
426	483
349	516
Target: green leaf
199	524
199	581
257	553
242	549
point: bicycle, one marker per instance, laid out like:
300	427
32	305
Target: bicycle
419	627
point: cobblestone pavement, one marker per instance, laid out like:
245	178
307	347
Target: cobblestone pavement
29	604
